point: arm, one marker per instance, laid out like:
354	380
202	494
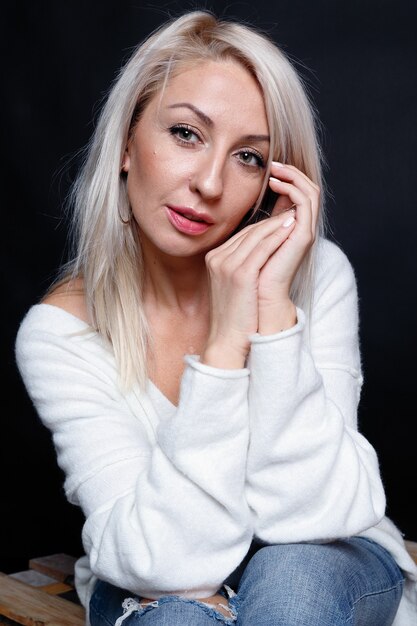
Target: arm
311	475
164	505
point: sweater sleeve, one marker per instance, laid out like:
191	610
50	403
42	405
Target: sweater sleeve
164	505
311	476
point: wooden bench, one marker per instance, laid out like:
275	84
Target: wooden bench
44	595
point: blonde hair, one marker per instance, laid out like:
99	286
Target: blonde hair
106	252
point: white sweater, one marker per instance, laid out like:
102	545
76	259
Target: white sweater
173	496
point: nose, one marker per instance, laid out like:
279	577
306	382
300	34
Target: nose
207	177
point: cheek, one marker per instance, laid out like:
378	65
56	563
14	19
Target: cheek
158	165
243	196
146	173
144	162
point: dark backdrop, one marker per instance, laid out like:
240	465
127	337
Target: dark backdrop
359	58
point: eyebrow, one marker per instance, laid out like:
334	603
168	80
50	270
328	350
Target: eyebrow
205	118
209	122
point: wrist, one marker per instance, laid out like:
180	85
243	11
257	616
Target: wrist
223	356
274	318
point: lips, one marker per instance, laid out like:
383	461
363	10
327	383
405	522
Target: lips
191	217
188	221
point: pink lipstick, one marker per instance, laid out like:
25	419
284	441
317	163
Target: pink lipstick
188	221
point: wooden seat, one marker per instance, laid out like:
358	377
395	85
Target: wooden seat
44	595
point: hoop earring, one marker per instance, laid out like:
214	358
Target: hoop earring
125	222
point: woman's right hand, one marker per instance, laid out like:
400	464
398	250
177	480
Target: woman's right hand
233	270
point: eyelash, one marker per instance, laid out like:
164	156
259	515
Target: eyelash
177	128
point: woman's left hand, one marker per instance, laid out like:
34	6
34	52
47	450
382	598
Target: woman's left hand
295	190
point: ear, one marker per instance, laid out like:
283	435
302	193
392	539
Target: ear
126	160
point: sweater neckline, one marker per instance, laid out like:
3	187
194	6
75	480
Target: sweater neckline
165	406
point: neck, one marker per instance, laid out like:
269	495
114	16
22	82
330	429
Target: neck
177	284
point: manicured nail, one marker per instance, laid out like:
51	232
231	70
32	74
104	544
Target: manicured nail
274	180
288	221
278	163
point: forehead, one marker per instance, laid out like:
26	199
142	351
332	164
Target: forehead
223	89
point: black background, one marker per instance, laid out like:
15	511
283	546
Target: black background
360	62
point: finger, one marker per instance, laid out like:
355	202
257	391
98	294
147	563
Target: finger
252	258
310	192
283	170
304	208
290	173
264	225
272	231
282	205
302	183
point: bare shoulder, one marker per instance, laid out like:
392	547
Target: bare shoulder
69	295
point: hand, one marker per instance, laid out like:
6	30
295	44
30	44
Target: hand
278	273
250	275
234	270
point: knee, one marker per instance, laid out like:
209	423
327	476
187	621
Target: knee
306	584
290	584
303	574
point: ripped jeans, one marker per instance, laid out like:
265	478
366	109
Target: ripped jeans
346	582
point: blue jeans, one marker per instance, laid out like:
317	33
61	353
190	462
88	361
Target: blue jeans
352	582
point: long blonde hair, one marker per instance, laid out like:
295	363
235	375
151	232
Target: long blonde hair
105	252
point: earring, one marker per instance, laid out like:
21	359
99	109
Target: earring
125	222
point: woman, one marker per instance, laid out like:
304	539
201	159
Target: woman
198	363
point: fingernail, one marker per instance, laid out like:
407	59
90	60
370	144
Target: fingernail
288	222
274	180
278	163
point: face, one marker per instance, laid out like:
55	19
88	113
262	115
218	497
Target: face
196	159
